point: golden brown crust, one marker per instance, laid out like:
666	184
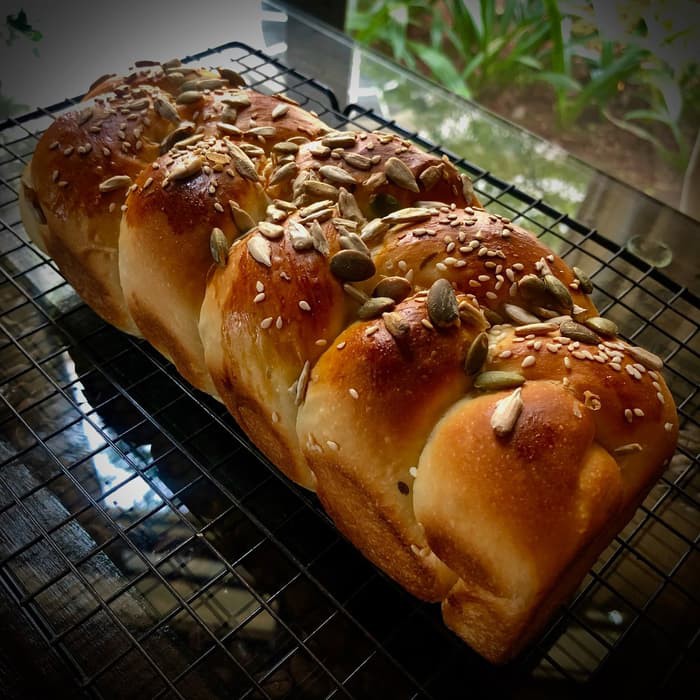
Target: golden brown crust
433	371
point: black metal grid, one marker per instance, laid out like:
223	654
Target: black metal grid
146	539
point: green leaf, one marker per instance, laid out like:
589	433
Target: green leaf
529	62
20	24
442	69
560	82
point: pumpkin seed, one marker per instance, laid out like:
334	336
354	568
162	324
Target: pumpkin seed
442	305
339	140
373	231
270	230
260	250
395	324
584	282
234	79
600	325
648	359
431	176
218	245
577	331
518	315
506	413
558	291
182	131
352	266
396	288
494	318
284	173
188	97
336	175
347	204
496	380
244	222
117	182
374	307
532	288
476	355
400	174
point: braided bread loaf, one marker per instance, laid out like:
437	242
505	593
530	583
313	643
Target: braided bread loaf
435	374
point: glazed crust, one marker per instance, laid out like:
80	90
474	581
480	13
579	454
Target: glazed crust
438	376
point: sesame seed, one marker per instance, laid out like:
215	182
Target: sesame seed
491	295
426	323
474	284
332	445
668	427
483	278
660	397
341	345
353	393
259	286
54	176
68	151
259	298
441	266
321	342
148	183
218	207
638	412
278	323
266	323
505	354
528	361
537	345
567	362
275	417
413	472
112	206
553	347
304	305
371	330
616	366
632	371
482	251
628	415
578	355
518	266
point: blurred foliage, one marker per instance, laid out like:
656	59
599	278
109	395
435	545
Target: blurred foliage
15	27
588	52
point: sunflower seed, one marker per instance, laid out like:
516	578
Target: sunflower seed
375	180
579	332
347	204
496	380
234	79
238	100
211	83
430	176
518	315
84	115
188	97
532	288
218	245
536	328
356	160
229	129
375	307
139	105
396	288
506	413
244	165
400	174
317	150
336	175
186	167
339	140
469	313
315	207
601	325
408	215
270	231
284	173
184	143
628	448
442	305
558	291
314	188
351	241
260	250
251	150
117	182
352	266
319	238
279	111
302	383
648	359
395	324
373	231
266	132
300	237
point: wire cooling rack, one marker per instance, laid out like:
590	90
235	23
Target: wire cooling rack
152	552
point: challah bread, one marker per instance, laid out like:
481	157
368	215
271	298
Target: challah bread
438	376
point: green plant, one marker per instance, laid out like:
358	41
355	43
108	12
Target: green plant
588	52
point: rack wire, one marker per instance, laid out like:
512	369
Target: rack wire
142	536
